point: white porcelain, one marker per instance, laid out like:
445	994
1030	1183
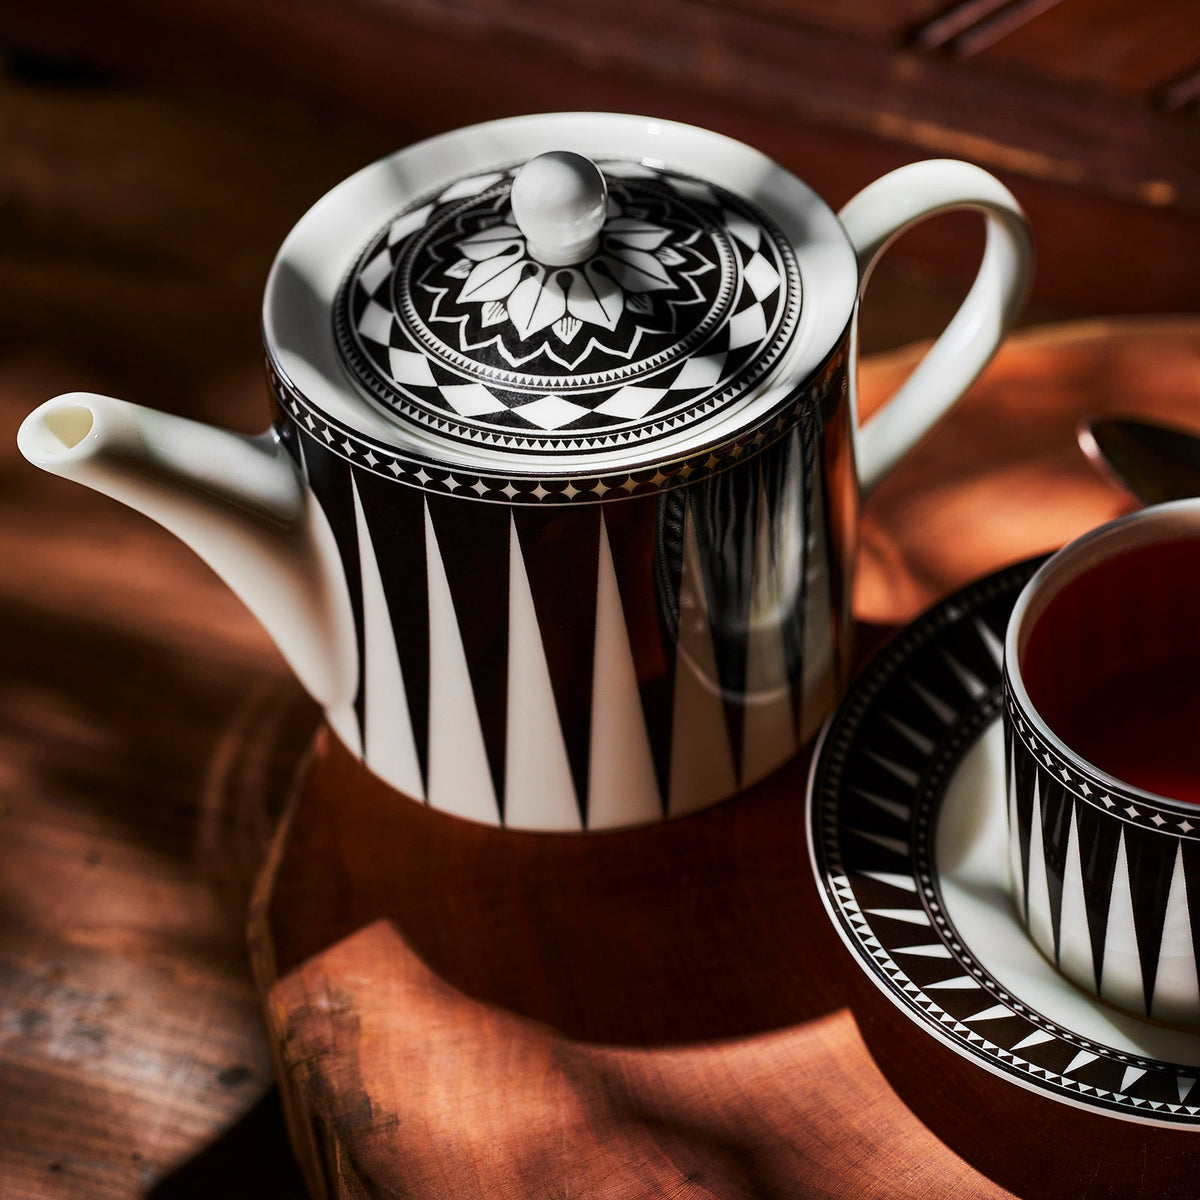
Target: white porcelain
559	202
876	217
556	518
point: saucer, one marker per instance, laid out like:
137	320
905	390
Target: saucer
907	836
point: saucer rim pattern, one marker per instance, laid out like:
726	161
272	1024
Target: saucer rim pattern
866	937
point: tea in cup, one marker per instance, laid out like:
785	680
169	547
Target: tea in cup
1102	722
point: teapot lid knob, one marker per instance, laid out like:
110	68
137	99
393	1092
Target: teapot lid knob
559	202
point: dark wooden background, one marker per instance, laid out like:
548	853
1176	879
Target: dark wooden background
1090	107
154	155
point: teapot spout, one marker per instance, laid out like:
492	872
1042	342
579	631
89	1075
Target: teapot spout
238	501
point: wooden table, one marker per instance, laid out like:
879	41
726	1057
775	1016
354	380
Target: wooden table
540	1016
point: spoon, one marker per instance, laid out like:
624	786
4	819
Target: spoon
1154	462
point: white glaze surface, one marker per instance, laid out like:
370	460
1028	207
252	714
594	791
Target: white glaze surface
559	202
237	501
874	219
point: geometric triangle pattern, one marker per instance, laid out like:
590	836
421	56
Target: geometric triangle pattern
768	729
688	300
503	647
539	792
702	752
472	575
622	786
401	559
1111	879
879	880
461	772
387	725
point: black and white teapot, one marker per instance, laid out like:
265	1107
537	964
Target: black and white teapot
557	512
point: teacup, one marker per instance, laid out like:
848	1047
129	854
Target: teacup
1102	721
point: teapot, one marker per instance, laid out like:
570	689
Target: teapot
556	514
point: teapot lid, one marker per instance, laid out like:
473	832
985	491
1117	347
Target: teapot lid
570	304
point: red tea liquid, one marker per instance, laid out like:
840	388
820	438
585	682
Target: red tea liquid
1112	665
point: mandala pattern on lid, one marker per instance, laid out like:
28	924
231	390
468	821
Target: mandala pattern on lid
690	300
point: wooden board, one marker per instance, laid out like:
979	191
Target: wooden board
457	1010
836	99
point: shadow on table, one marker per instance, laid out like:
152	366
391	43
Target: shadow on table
249	1161
688	931
1037	1148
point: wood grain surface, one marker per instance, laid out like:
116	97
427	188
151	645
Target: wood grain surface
149	734
148	729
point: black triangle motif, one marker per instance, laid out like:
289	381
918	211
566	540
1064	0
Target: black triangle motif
725	519
1056	824
395	515
330	478
1150	857
1099	840
1025	775
830	441
1191	875
645	535
1053	1055
473	538
560	545
787	470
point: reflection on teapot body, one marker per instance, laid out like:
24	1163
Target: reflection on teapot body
557	513
744	564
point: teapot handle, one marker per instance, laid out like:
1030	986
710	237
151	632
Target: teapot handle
874	219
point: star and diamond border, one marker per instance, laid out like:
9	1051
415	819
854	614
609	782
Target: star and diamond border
1132	808
875	795
826	389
